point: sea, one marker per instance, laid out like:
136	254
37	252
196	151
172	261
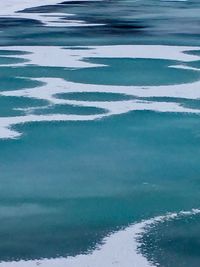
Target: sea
100	133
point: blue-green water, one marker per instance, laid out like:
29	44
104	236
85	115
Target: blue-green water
99	130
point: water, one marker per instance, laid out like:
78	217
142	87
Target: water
100	134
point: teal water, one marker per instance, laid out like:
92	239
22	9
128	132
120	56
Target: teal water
93	141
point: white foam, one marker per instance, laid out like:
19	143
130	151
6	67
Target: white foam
117	250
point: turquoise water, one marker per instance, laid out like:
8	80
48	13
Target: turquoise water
94	140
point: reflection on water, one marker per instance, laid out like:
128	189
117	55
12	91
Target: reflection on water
146	21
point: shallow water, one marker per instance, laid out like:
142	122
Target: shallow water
99	132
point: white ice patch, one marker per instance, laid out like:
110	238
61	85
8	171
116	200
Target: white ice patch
9	8
55	56
55	86
60	57
117	250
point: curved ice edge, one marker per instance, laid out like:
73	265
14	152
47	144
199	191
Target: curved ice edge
59	56
53	86
6	123
9	7
37	56
118	249
54	19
